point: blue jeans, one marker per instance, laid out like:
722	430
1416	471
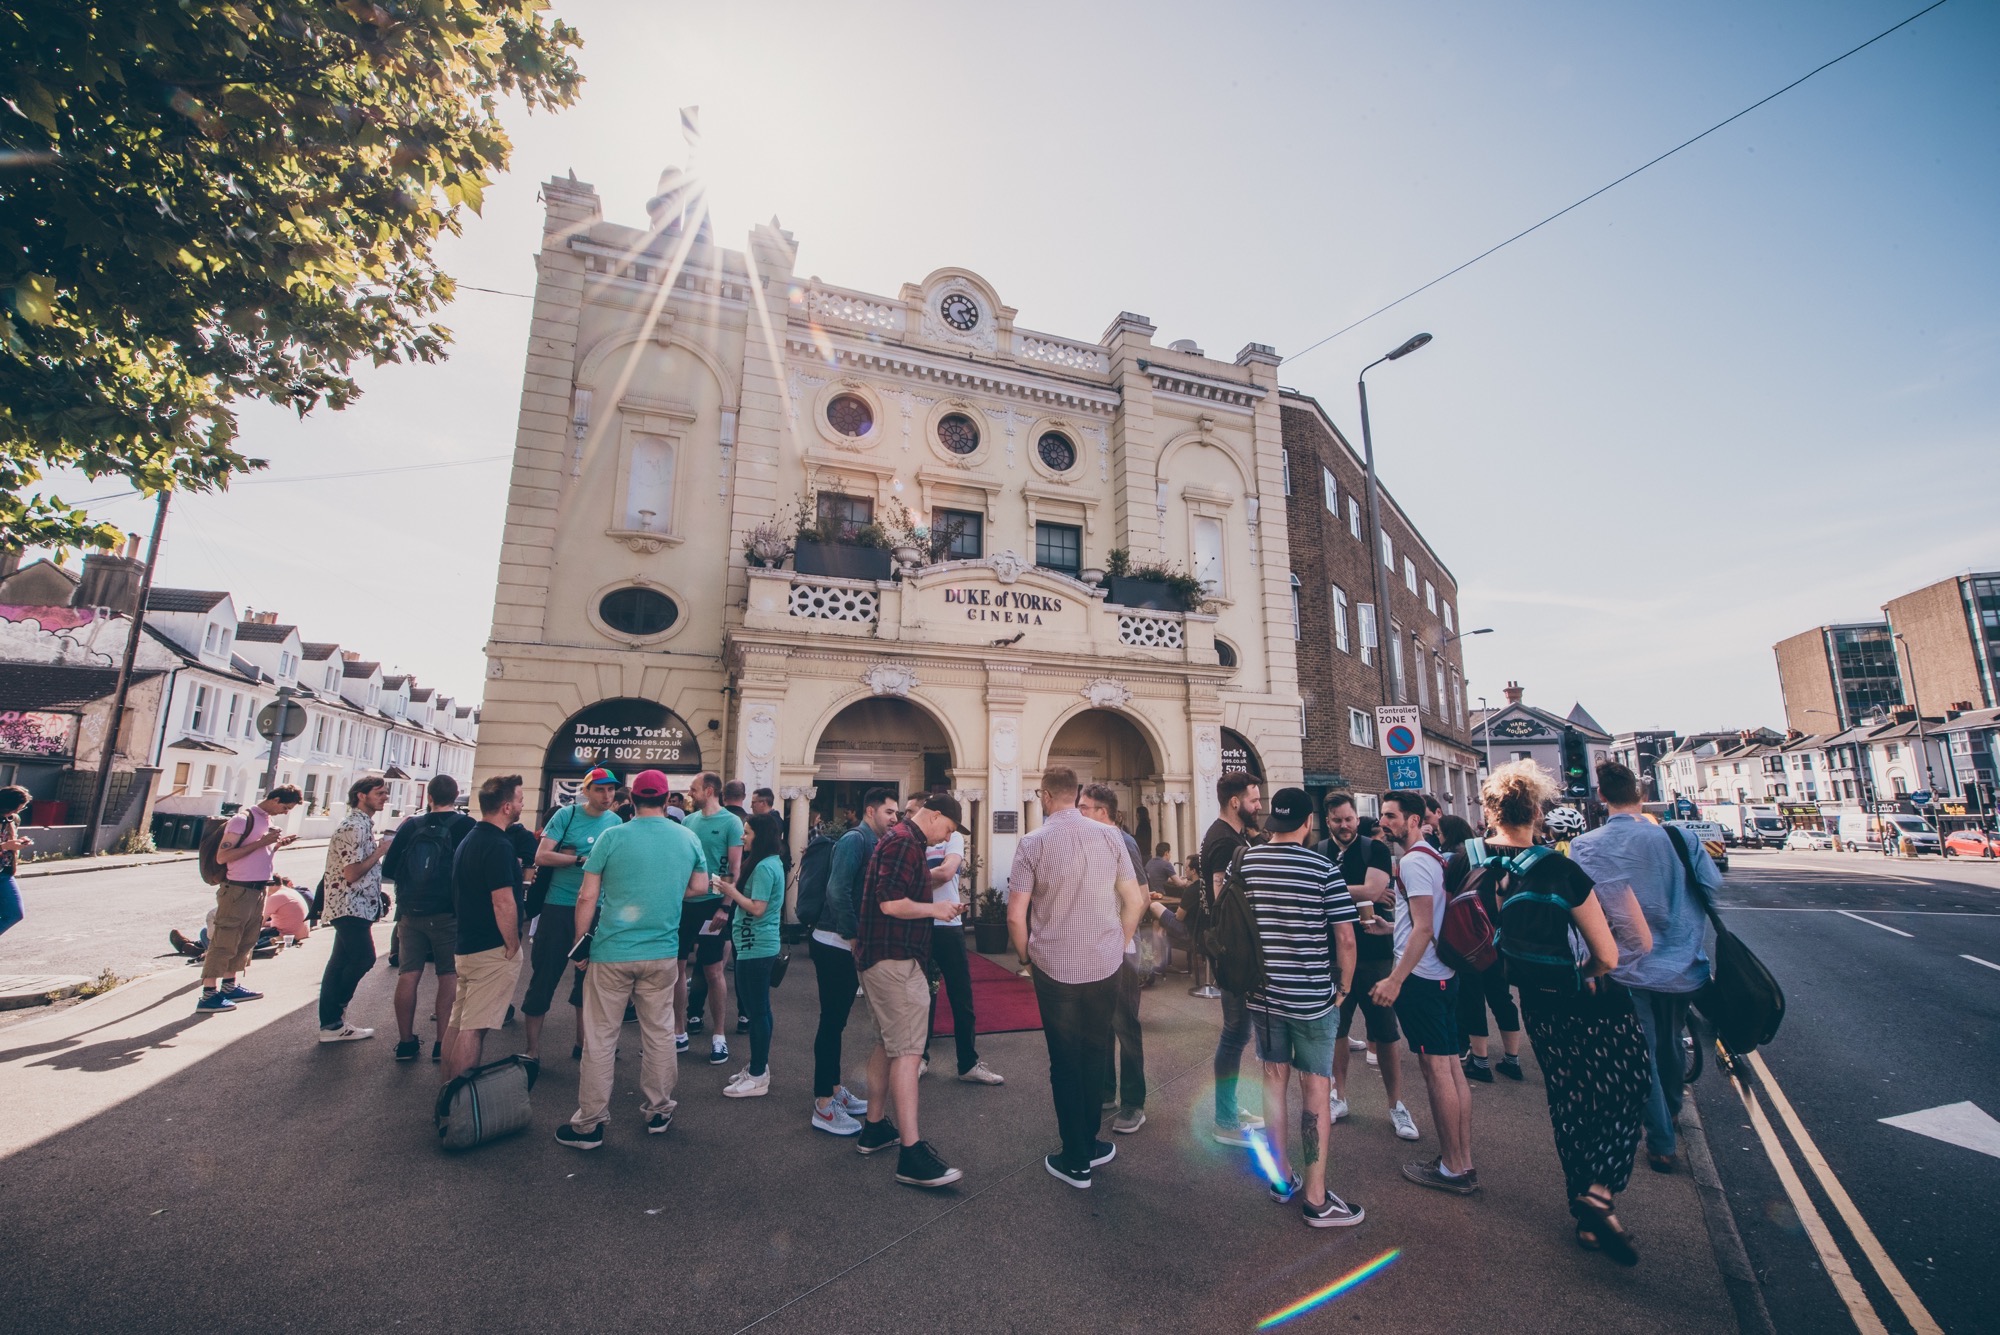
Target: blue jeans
1662	1015
10	901
1229	1056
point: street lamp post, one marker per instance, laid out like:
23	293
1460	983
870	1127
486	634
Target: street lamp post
1930	778
1382	618
1486	725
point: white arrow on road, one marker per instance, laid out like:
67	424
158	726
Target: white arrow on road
1963	1124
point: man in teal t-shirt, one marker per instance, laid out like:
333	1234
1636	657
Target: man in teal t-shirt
565	843
721	836
635	884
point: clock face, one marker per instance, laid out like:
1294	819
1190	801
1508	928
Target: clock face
959	311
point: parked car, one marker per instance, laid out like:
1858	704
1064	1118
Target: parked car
1807	840
1971	844
1710	835
1897	832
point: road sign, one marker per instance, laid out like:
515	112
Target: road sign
1406	773
1920	799
1684	809
1399	730
267	719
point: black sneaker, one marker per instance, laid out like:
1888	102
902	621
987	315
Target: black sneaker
580	1140
436	1052
1102	1152
508	1018
631	1013
407	1050
576	1053
742	1024
1511	1068
1476	1069
1076	1177
1332	1212
1432	1175
694	1024
919	1166
657	1124
877	1136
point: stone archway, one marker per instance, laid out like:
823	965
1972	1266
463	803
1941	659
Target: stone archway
880	740
1104	746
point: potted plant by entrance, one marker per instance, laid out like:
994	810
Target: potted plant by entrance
989	924
1162	588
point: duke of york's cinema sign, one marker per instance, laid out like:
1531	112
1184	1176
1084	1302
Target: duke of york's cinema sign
1008	606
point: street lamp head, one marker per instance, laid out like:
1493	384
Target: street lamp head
1415	342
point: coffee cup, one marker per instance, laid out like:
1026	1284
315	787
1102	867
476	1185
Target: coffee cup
1367	911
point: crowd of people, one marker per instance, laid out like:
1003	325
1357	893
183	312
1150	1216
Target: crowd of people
649	900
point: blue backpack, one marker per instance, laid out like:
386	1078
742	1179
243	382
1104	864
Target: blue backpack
1533	928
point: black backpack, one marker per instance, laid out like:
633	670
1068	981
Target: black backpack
423	864
1229	938
815	869
1742	1003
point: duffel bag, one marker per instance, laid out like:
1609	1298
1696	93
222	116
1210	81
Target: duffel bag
484	1104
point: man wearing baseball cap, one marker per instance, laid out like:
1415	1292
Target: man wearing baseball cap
636	882
565	845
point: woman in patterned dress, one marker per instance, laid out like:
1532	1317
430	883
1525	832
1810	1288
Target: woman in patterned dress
1586	1035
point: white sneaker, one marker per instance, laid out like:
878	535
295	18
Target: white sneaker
834	1120
982	1074
923	1068
1406	1125
1338	1106
736	1079
1357	1045
846	1100
1249	1121
1373	1060
750	1087
347	1033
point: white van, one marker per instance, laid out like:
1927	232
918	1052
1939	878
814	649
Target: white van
1891	833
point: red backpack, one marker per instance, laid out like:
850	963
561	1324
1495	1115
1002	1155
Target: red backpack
1466	942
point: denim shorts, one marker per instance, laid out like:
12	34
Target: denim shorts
1306	1044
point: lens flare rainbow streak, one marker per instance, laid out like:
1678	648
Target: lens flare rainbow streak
1331	1291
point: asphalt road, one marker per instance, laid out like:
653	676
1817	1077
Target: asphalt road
1880	1023
118	919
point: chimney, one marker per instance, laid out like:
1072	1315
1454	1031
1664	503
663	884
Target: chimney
1903	714
131	546
350	655
265	618
10	561
1513	692
108	581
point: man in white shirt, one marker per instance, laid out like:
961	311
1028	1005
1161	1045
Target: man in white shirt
1425	994
945	861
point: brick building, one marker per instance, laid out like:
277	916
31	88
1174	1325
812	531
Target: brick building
1952	630
1833	677
1340	634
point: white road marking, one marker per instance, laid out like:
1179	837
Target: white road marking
1892	1279
1976	960
1872	923
1912	913
1963	1124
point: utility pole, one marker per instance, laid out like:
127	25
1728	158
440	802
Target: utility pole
118	698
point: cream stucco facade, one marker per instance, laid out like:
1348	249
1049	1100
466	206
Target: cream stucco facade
678	395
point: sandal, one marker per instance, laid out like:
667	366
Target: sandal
1594	1218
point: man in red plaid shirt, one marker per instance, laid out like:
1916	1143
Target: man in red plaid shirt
892	946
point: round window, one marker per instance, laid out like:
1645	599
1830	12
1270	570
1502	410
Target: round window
959	433
850	415
1057	451
1225	653
638	611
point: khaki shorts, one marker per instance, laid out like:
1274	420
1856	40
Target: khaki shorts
485	987
899	1000
427	938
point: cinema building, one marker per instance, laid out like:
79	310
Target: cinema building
821	539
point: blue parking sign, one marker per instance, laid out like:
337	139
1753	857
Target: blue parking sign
1406	773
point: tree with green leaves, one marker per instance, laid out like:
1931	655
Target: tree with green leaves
203	201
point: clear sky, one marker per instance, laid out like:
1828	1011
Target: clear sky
1752	390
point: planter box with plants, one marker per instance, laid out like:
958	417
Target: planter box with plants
1160	588
841	560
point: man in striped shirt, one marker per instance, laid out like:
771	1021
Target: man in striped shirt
1305	924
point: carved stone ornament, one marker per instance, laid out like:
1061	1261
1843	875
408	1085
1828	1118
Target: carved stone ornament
897	679
1178	799
642	544
1007	567
1207	751
1006	740
760	731
1107	693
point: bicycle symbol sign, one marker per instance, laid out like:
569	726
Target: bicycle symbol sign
1401	740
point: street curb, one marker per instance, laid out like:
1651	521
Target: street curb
20	1001
71	866
1746	1294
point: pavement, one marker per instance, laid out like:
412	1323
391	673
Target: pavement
1891	970
115	861
246	1178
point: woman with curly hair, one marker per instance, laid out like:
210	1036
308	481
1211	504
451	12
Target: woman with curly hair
1558	948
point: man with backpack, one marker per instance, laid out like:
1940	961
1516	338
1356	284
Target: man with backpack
236	860
565	845
1423	989
1241	799
1629	850
419	862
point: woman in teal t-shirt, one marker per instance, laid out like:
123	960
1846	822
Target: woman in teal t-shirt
761	905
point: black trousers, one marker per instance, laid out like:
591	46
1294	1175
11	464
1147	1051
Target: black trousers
1076	1023
834	968
554	935
353	955
1125	1080
948	957
1478	991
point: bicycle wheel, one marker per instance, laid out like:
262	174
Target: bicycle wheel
1691	1050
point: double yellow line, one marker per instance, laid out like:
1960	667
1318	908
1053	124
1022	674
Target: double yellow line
1851	1293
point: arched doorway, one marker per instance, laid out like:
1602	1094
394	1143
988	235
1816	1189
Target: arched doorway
626	736
1105	747
1237	753
881	741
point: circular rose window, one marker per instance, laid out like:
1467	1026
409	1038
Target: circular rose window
958	433
1057	451
850	415
637	611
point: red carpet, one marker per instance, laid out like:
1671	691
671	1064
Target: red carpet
1002	1002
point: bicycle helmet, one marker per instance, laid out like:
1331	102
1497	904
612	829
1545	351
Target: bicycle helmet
1564	823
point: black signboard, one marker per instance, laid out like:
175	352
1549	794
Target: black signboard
1006	822
625	735
1237	755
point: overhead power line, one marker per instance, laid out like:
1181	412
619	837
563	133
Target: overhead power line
324	477
1613	185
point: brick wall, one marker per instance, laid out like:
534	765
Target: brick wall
1806	682
1940	645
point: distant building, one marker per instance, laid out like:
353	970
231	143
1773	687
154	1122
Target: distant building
1570	746
1640	752
1951	630
1833	677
